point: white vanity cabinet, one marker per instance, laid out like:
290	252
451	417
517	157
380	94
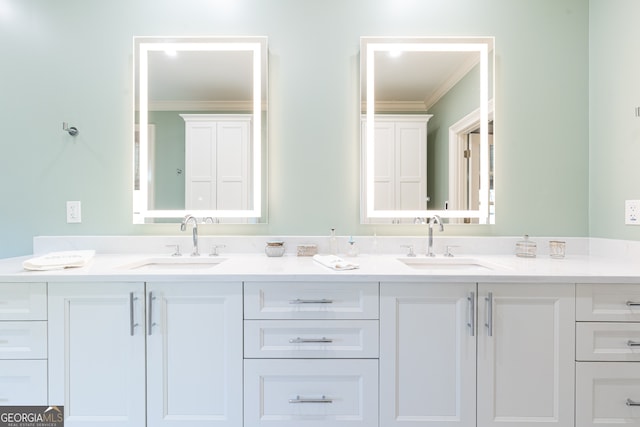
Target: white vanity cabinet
194	354
427	354
520	337
23	344
311	354
97	353
526	347
607	354
160	354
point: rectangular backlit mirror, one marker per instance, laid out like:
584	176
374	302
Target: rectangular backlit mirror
200	129
427	145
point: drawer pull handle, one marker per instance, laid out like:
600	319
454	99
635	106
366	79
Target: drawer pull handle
633	343
323	399
311	301
312	340
633	304
632	402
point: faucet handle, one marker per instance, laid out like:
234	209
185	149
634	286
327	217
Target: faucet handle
214	250
176	250
447	251
411	253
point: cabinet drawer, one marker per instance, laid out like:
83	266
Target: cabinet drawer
311	338
23	301
306	300
23	382
312	393
607	341
23	340
608	303
602	390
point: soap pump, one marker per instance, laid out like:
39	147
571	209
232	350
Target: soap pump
352	249
333	243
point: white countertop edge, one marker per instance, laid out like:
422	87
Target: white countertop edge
387	268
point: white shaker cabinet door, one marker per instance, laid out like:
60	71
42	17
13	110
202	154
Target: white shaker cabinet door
607	394
526	345
427	355
311	393
194	354
97	354
23	382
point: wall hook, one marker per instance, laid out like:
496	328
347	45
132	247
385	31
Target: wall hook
73	131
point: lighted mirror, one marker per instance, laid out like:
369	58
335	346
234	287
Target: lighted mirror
200	129
427	129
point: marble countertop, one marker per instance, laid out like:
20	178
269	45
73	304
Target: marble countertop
258	267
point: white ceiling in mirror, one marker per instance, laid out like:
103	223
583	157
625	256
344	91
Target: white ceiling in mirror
203	99
401	80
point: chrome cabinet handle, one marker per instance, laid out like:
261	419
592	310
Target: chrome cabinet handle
632	402
132	321
631	343
299	340
472	313
150	314
311	301
323	399
489	316
633	304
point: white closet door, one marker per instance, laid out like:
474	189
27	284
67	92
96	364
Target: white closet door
200	167
232	165
384	166
411	165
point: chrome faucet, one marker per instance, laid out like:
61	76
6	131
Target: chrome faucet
433	220
183	227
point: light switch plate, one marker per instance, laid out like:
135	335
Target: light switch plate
74	212
632	212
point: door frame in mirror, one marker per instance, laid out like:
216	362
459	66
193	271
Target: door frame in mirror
370	46
143	213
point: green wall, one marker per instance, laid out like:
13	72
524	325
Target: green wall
614	130
71	60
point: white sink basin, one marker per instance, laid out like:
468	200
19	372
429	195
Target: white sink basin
174	263
453	263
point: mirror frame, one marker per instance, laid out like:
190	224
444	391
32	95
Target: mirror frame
142	213
369	46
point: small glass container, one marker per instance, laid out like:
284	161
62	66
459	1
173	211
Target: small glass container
557	248
352	249
526	248
274	248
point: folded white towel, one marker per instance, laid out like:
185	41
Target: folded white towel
59	260
335	262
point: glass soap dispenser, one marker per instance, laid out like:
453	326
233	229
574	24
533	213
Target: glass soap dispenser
333	242
353	248
526	248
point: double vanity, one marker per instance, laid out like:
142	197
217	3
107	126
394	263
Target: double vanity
241	339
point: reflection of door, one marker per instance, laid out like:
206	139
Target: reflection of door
472	171
217	154
400	162
470	182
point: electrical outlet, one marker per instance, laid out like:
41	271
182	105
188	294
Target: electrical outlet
632	212
74	212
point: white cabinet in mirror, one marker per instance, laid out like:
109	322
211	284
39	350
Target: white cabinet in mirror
200	129
445	168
